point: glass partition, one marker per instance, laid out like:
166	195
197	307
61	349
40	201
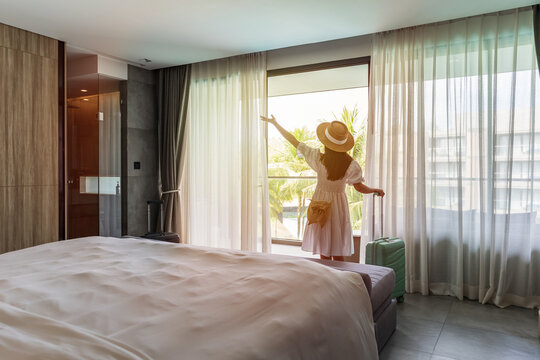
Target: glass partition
93	151
109	157
82	155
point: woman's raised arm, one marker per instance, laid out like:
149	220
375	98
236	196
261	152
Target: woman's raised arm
287	135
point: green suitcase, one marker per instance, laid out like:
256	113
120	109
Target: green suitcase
389	252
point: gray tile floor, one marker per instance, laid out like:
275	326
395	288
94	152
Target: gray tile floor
442	327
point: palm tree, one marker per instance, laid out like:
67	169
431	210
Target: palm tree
275	195
287	156
296	166
350	118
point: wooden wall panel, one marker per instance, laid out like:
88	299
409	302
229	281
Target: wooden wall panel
30	215
28	139
14	115
3	120
4	218
17	39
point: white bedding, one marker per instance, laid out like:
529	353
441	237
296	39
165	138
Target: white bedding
109	298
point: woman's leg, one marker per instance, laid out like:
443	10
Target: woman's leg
326	257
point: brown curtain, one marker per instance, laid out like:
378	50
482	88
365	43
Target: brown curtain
173	92
536	26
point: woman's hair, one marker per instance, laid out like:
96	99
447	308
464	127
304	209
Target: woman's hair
336	163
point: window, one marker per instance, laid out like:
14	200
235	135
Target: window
301	98
505	153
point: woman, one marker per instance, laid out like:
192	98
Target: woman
329	231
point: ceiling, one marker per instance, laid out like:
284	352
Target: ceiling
174	32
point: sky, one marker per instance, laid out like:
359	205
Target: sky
309	109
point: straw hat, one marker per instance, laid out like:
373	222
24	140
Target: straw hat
335	136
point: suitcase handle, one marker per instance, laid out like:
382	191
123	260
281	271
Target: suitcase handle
373	217
373	226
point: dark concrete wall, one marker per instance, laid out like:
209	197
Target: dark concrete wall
140	145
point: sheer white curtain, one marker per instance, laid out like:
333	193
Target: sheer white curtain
454	140
109	165
226	191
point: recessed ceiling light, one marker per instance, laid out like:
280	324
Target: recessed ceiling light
84	90
85	99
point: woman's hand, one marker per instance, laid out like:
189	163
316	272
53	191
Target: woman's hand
271	120
364	189
287	135
378	192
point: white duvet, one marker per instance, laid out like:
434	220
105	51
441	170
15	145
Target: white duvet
109	298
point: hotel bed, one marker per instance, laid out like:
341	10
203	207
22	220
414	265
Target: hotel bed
98	298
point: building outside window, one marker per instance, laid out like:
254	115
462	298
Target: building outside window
511	163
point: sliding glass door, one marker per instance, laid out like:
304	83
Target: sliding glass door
93	155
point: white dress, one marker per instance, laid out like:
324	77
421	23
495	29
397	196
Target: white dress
335	237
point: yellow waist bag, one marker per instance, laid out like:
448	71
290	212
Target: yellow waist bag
318	212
